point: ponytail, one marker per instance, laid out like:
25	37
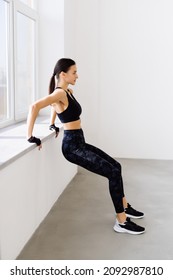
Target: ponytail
52	84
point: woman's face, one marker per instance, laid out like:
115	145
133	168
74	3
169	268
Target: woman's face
71	75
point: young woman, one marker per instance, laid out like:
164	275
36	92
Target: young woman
74	147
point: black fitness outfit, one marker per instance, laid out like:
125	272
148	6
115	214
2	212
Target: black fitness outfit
77	151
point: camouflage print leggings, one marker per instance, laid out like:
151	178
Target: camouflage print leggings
77	151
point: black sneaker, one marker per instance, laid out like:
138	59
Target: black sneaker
128	227
132	213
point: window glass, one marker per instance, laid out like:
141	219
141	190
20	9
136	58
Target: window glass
25	71
30	3
4	34
18	64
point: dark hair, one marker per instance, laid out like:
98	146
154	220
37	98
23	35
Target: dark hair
62	64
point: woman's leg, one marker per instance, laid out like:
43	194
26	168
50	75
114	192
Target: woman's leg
96	161
93	159
108	158
114	163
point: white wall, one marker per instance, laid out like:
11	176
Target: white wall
125	61
81	44
51	41
29	187
137	63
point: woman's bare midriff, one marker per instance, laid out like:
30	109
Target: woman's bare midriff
72	125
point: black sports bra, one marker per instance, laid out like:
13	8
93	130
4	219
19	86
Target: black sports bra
73	111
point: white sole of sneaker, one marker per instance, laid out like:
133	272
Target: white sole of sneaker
122	230
134	217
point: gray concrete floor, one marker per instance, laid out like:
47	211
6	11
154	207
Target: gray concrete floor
80	224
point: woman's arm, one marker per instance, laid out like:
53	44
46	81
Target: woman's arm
32	115
52	122
52	116
38	105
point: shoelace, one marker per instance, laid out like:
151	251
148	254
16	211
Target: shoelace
129	221
129	206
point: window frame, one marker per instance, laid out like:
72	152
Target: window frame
10	80
15	7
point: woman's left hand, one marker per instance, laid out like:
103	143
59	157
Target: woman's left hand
55	128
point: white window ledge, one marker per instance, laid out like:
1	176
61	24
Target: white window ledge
13	143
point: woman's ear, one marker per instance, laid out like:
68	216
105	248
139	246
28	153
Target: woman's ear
62	74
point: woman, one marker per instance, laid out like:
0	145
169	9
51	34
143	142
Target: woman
74	147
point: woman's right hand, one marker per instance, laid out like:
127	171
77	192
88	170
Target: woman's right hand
35	140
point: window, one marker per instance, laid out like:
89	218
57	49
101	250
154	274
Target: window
4	35
18	30
30	3
25	69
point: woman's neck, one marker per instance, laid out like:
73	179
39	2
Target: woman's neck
63	85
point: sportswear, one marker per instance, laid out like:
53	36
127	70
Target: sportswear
73	111
132	213
35	140
128	227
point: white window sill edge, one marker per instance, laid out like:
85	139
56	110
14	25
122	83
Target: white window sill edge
13	142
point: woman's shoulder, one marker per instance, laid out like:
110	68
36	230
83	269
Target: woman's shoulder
58	95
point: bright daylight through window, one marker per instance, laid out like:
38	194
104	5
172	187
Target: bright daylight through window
18	33
4	33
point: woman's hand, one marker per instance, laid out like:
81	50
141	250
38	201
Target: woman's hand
35	140
53	127
40	147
